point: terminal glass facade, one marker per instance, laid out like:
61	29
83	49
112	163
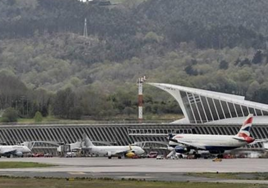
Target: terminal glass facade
202	109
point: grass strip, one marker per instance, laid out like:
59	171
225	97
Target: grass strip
110	183
4	165
238	176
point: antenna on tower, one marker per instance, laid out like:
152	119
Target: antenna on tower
85	28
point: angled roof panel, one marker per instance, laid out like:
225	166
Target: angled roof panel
175	91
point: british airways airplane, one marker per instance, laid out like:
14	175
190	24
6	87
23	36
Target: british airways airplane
215	144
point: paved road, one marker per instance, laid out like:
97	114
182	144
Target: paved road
149	169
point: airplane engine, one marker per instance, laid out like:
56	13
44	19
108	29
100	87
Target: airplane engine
216	151
109	154
19	153
170	148
130	154
181	149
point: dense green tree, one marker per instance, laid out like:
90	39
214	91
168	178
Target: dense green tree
224	65
64	103
152	37
257	59
190	70
10	115
246	61
261	95
76	113
38	117
253	88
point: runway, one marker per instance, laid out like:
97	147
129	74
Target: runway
103	164
146	169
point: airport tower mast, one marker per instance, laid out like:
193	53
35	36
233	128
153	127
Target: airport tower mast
85	28
140	98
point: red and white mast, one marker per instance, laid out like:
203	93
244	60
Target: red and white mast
140	98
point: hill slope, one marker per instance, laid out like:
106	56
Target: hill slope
216	45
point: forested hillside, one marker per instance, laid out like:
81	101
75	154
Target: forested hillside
47	65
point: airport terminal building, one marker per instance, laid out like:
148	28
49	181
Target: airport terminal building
201	106
205	112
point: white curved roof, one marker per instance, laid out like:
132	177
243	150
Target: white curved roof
194	98
240	120
212	94
197	91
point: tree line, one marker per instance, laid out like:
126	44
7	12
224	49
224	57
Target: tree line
70	104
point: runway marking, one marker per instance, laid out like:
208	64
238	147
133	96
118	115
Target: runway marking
135	177
76	173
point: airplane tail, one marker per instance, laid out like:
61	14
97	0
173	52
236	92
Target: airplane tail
170	136
87	141
29	145
246	127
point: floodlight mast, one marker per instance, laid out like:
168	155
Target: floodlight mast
141	80
85	28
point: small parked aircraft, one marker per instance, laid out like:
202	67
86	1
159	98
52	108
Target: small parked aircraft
16	150
110	151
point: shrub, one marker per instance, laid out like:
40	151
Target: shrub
10	115
38	117
75	113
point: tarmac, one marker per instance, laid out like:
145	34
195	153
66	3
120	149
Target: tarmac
143	169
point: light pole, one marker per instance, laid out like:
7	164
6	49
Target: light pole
141	80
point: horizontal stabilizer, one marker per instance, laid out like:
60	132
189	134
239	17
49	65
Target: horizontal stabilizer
259	141
239	138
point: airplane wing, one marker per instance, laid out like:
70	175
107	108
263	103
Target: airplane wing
187	144
122	151
259	141
119	152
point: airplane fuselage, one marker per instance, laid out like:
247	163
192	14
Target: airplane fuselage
13	149
110	150
210	142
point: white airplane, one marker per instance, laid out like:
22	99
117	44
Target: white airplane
16	150
110	151
75	146
215	144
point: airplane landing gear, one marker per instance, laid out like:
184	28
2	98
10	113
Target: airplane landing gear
197	155
220	156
